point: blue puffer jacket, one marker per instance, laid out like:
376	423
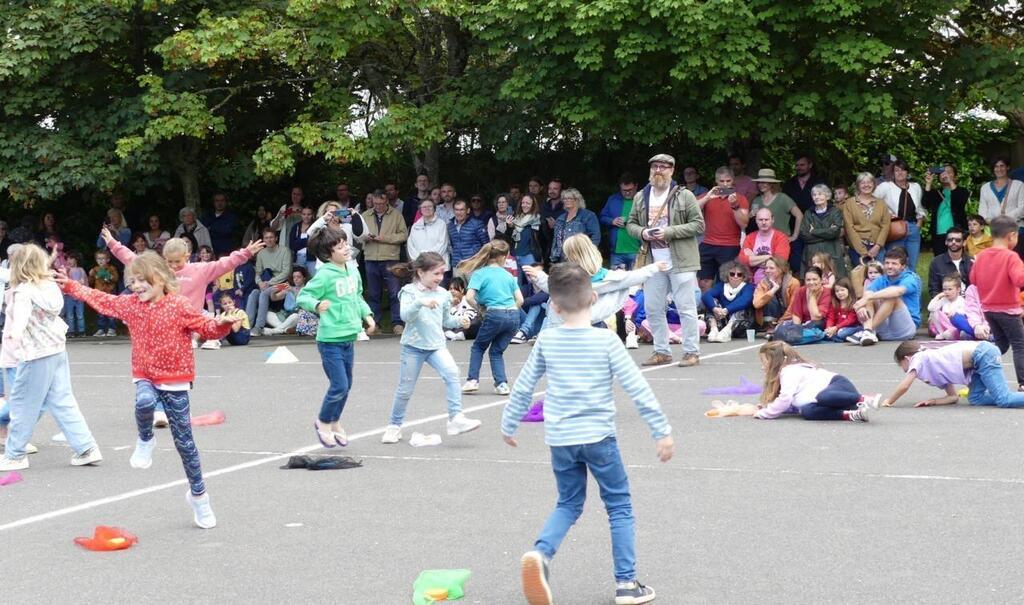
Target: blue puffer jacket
466	240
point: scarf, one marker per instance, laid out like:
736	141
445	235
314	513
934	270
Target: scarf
524	222
730	292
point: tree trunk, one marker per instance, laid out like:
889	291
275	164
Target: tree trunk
428	163
188	174
1016	119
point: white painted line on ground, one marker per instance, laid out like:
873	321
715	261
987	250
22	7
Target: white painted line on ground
60	512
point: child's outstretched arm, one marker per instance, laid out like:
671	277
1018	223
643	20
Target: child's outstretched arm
208	329
951	397
901	389
110	305
522	393
119	250
646	403
214	269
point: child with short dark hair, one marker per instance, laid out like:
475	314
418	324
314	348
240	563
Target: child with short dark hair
579	427
972	363
998	273
978	238
239	334
104	277
74	310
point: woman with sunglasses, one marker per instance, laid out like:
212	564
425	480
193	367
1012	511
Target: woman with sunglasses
727	303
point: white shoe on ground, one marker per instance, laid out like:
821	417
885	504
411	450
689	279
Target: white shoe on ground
392	434
91	456
142	457
471	386
460	424
202	512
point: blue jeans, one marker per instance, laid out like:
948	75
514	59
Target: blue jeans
179	418
529	320
337	359
256	307
911	243
840	395
239	338
988	386
74	315
378	277
622	261
105	323
843	333
570	464
412	362
497	329
45	385
5	409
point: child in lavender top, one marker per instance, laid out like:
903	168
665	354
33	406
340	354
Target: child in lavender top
974	363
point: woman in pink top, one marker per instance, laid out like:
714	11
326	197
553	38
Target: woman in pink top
794	385
974	363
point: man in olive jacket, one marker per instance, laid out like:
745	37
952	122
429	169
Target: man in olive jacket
385	234
668	220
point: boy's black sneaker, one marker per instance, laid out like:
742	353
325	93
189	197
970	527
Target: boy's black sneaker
633	593
535	578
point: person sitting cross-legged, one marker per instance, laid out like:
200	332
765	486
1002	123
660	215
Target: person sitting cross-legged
890	308
728	303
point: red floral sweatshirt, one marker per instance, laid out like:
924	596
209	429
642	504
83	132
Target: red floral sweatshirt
161	331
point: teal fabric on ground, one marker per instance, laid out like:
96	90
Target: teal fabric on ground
451	579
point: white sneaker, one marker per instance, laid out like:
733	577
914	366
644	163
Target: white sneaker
868	339
858	415
111	332
471	386
632	342
392	434
210	345
363	336
13	464
518	339
872	401
202	512
59	438
713	333
90	456
142	457
99	334
458	336
160	419
460	424
450	335
502	389
256	332
31	449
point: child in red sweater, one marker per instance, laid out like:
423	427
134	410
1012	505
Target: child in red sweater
842	317
998	274
160	322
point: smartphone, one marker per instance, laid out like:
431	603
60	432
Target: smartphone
342	213
937	169
725	191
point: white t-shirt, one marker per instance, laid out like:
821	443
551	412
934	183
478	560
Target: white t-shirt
655	206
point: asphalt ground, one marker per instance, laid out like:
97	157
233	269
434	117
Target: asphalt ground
918	506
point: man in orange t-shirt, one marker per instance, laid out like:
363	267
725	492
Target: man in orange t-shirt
726	213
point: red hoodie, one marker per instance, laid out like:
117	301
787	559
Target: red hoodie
161	331
998	274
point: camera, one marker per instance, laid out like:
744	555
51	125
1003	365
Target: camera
936	170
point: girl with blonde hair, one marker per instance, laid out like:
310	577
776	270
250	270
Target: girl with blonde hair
794	385
34	340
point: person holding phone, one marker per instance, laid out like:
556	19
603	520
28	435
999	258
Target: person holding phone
947	206
288	216
726	214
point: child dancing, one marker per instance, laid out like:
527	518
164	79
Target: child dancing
579	427
336	294
974	363
792	384
160	322
425	310
34	338
494	288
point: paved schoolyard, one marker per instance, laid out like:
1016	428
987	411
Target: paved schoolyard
919	506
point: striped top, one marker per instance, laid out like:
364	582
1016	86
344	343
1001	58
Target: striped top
579	406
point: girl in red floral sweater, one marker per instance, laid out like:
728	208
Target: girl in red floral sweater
160	322
842	317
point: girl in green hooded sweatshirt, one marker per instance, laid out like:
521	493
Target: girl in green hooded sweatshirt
336	294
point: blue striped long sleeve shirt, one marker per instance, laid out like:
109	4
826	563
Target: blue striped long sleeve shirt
579	406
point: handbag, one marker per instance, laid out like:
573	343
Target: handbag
645	246
897	226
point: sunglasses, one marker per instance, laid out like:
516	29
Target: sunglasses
953	240
736	274
660	167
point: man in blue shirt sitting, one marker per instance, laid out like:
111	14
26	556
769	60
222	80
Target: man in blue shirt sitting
891	306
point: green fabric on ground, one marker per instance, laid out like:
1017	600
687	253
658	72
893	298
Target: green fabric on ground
450	579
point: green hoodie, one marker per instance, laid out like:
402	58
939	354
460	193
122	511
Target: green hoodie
342	287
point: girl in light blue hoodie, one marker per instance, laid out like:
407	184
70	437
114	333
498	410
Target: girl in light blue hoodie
425	310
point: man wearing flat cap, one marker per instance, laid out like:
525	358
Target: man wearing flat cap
667	220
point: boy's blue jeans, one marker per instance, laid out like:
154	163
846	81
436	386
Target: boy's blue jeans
496	331
570	464
988	386
337	359
412	362
74	315
44	384
105	323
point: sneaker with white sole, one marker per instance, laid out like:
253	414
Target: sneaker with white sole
362	336
160	419
534	575
202	512
518	339
142	457
633	593
13	464
392	434
59	438
502	389
100	334
89	456
458	336
460	424
449	334
471	386
868	339
858	415
210	345
871	401
856	337
632	342
31	449
111	332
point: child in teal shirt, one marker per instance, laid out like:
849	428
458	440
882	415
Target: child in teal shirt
336	295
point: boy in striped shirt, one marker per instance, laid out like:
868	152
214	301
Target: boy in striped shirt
579	427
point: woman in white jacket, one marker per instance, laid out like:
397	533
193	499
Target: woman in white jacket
191	227
1001	195
429	234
